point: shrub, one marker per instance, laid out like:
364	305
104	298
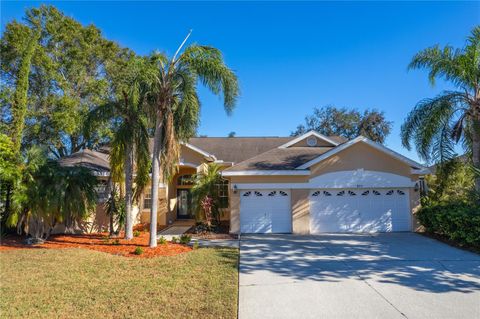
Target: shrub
138	251
136	233
196	245
174	239
458	222
185	239
162	241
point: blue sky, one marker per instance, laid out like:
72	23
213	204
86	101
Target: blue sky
291	57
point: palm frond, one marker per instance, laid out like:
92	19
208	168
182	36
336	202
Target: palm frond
427	124
207	63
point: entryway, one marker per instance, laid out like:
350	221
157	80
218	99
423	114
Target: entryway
184	204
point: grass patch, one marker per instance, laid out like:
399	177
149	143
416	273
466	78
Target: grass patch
81	283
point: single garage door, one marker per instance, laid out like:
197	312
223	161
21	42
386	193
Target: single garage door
265	211
359	210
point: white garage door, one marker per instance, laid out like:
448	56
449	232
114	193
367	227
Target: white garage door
359	210
265	211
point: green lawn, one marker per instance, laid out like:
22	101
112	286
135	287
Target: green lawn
79	283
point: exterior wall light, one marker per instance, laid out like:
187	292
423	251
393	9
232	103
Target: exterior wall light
417	187
235	188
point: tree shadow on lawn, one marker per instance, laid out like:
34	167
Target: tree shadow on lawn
404	259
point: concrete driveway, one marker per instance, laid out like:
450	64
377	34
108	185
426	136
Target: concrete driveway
397	275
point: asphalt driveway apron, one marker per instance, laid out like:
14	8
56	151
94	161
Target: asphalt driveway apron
396	275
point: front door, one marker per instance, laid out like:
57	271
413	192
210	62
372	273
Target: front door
184	205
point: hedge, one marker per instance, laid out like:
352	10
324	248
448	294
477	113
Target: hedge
458	222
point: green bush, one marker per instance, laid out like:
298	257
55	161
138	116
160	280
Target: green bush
174	239
458	222
138	251
185	239
161	241
196	245
136	233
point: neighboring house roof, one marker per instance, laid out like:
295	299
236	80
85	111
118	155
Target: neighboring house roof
94	160
280	159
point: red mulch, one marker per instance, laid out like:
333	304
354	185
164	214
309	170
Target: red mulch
99	242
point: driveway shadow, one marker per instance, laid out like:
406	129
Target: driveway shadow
404	259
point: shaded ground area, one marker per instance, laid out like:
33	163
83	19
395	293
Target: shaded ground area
99	242
398	275
81	283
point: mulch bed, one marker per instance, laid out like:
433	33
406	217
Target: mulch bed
99	242
221	232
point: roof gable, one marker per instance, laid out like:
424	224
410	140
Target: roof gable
362	139
307	135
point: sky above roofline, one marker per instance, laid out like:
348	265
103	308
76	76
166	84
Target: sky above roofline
291	57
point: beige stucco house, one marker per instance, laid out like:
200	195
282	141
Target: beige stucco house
304	185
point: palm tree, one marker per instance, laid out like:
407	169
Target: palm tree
176	106
129	147
206	190
49	194
435	125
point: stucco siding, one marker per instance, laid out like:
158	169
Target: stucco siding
234	212
363	156
300	211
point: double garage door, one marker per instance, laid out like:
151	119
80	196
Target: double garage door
340	210
359	210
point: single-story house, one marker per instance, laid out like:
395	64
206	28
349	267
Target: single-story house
303	185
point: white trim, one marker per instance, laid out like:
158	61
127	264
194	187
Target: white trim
245	186
423	171
268	185
200	151
272	172
188	164
308	134
341	179
360	179
364	140
100	174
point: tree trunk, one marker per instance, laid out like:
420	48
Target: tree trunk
157	146
476	149
19	103
128	191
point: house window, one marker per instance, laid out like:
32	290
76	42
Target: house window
102	191
147	199
222	188
185	180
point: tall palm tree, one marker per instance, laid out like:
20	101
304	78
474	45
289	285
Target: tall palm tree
435	125
176	106
129	147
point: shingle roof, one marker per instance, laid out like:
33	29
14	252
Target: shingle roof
237	149
253	152
94	160
280	159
